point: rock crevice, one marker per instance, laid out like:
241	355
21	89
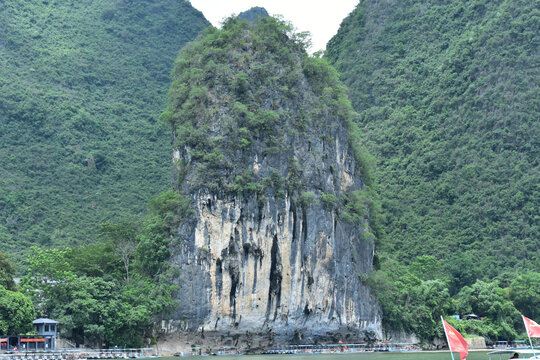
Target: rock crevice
279	241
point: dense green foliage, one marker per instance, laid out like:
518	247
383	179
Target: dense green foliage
16	312
7	271
447	93
16	309
525	293
444	94
82	86
414	297
251	90
103	294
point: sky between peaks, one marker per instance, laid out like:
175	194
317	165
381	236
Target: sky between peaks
320	18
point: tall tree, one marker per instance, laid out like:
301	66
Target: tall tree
123	237
525	293
7	271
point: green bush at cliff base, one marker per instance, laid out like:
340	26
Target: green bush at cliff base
16	310
414	297
114	291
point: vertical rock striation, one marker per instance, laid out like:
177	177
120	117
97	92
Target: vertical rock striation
280	244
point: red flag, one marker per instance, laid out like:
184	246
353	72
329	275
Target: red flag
456	342
533	329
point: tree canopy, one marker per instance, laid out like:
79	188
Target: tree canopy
446	93
16	312
83	84
103	296
7	272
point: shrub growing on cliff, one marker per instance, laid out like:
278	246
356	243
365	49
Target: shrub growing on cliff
329	201
171	206
262	92
355	208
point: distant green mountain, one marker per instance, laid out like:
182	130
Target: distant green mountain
82	85
448	97
253	14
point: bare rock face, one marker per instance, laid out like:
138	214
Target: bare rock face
280	244
253	14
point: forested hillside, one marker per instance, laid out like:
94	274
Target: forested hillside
82	85
447	93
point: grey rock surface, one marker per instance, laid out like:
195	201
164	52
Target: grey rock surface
280	263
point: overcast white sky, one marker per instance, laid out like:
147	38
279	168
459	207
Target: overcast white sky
320	17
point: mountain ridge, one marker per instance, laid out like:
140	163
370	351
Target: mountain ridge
448	126
83	86
447	99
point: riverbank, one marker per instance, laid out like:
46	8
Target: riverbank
79	354
422	355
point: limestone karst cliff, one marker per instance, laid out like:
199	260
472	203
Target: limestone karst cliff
280	243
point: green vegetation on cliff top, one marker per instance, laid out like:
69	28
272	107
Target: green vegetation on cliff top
250	91
82	86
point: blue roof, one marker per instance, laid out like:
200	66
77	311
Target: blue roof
44	321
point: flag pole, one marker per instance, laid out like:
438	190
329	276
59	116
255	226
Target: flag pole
448	341
529	336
